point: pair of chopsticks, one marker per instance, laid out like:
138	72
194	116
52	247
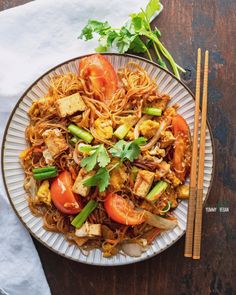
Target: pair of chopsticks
194	221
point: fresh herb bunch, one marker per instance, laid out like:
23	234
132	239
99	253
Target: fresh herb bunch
136	36
122	150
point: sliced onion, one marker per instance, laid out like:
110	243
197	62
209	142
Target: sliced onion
136	129
160	222
132	249
155	138
168	208
157	160
31	187
48	157
75	158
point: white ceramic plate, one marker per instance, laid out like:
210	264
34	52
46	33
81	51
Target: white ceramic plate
14	142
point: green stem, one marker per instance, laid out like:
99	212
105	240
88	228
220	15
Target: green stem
114	166
157	52
154	45
150	29
165	53
180	68
162	48
169	57
149	55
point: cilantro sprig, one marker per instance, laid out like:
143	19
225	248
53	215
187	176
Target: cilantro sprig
99	155
127	150
136	35
100	179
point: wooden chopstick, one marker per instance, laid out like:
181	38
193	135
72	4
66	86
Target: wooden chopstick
198	217
193	180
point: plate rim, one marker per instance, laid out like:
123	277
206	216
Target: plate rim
6	131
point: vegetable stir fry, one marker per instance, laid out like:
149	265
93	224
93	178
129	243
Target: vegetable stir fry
107	158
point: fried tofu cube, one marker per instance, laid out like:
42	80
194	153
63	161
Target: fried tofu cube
143	183
175	181
161	102
183	191
55	141
89	230
78	186
69	105
167	138
162	170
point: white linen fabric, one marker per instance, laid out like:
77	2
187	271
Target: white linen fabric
33	38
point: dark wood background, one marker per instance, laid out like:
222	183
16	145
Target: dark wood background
185	26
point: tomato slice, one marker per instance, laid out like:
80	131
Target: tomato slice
101	73
181	132
122	211
179	125
62	195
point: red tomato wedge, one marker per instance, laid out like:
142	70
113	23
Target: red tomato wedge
62	195
101	74
181	133
123	211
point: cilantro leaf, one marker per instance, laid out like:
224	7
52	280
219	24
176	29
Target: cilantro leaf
139	23
127	150
86	148
98	156
94	26
111	35
103	157
100	179
132	149
137	45
122	43
89	162
128	36
123	40
118	149
152	7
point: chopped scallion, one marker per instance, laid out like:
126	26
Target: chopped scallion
157	191
152	111
73	140
45	175
44	169
81	133
122	130
83	215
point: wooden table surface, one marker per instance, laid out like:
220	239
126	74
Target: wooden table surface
185	26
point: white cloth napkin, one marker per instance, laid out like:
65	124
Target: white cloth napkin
33	38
